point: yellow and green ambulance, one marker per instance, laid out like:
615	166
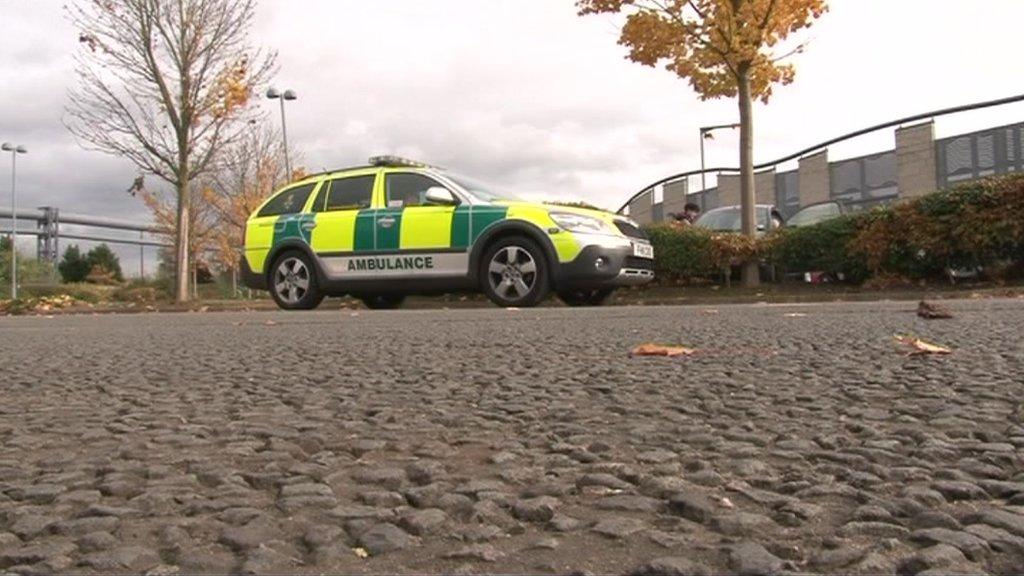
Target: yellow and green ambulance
396	227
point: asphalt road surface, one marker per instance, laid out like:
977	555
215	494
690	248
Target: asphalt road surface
798	439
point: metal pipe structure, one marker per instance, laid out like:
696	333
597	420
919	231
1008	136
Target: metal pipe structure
83	220
827	143
101	239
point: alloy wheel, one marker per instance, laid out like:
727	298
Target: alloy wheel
291	280
512	272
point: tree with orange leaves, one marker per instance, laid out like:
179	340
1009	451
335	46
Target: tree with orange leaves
166	84
248	173
726	48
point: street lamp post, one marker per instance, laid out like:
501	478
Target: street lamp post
273	94
705	134
14	150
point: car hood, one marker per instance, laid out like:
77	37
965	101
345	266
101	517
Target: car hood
599	214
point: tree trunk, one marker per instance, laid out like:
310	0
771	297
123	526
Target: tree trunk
181	268
748	196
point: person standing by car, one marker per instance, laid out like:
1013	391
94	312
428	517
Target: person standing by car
687	217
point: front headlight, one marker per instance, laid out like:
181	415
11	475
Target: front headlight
578	222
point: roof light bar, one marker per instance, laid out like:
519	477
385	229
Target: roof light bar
389	160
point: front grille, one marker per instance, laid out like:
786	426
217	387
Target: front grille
637	263
630	230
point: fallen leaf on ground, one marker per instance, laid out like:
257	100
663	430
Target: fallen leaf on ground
659	350
726	503
920	346
361	552
932	311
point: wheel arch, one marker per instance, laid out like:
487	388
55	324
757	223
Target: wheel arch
510	228
291	245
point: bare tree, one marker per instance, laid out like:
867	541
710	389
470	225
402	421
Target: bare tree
165	84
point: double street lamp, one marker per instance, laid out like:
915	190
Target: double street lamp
14	150
273	94
705	134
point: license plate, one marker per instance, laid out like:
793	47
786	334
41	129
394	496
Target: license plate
643	251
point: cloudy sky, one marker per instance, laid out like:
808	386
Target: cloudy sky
525	93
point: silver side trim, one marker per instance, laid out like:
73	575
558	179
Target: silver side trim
633	277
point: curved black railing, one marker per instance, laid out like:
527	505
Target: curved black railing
827	143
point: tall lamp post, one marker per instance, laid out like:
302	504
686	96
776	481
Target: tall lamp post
705	134
14	150
273	94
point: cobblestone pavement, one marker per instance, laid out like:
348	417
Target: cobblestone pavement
798	440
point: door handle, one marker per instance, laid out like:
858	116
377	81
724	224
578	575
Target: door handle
308	225
386	222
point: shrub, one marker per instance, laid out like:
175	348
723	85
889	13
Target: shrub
73	266
976	224
823	247
103	263
30	269
691	253
979	224
682	254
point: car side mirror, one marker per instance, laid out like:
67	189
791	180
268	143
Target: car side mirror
440	195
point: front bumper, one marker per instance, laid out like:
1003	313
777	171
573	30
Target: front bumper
249	278
606	262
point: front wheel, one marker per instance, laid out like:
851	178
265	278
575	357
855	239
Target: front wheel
514	273
293	282
597	297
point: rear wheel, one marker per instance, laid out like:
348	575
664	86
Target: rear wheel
382	302
293	282
593	297
515	273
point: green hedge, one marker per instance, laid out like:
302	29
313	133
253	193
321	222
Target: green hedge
818	248
681	254
979	224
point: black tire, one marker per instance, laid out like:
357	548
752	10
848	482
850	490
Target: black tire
293	283
592	297
382	301
524	281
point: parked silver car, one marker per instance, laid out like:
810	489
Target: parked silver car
729	219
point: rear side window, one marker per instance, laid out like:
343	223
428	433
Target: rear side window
290	201
408	189
350	193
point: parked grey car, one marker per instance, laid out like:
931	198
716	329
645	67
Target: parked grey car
729	219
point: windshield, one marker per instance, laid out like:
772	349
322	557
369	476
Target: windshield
815	214
480	190
729	219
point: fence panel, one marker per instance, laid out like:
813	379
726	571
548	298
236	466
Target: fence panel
979	154
787	192
866	178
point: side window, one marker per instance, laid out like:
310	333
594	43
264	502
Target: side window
408	189
290	201
350	193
